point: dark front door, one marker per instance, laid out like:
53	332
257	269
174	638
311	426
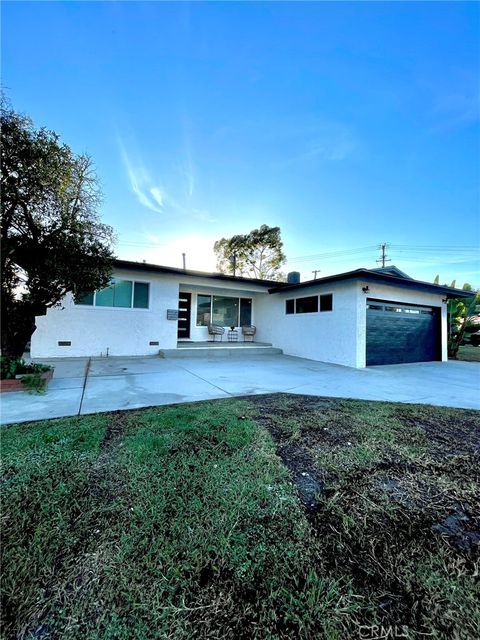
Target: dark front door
184	313
399	333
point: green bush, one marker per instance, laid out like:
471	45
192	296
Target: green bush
12	367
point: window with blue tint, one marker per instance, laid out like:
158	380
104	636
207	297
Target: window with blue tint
245	312
119	294
104	297
87	299
140	295
204	310
122	294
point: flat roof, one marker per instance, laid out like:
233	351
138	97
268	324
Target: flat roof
369	275
146	266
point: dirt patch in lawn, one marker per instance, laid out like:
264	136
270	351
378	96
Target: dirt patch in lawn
392	491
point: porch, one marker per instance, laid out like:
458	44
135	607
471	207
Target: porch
206	349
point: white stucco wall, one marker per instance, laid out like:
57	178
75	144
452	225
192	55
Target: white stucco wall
329	336
92	330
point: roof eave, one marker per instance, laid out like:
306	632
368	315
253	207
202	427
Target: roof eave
146	266
373	276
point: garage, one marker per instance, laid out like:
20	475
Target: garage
399	333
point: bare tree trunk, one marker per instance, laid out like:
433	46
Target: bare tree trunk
18	325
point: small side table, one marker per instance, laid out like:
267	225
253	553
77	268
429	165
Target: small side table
232	336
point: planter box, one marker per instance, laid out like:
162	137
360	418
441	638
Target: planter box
16	385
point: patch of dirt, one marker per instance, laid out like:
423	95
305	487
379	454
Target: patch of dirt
275	410
451	432
413	492
460	528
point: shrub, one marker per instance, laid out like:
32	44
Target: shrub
32	373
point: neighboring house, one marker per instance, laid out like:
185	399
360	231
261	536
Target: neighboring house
362	317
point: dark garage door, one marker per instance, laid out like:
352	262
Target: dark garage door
399	333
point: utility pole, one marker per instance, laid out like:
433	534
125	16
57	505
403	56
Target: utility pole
315	271
383	258
233	260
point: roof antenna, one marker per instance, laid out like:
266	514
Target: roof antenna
184	261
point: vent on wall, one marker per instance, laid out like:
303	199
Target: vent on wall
64	343
154	343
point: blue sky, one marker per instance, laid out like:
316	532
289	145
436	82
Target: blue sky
345	124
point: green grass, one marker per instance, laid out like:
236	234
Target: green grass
183	522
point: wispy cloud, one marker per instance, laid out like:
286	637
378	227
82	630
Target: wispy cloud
153	195
149	196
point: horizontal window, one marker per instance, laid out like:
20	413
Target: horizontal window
309	304
326	302
224	311
376	307
306	305
124	294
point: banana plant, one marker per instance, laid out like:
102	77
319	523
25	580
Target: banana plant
459	314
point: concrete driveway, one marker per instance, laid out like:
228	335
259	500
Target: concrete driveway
82	387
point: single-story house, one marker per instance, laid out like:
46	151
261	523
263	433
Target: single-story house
358	318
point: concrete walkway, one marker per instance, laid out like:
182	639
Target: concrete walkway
127	383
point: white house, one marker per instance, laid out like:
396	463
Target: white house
362	317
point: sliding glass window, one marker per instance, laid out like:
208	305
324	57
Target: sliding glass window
245	312
204	310
224	311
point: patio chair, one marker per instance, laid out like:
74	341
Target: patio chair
215	330
249	331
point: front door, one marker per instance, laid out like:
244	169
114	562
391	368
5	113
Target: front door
184	312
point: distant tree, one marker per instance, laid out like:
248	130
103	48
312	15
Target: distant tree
437	279
52	239
258	254
467	287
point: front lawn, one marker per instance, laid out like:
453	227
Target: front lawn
267	517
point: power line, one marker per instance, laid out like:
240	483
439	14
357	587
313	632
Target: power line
383	258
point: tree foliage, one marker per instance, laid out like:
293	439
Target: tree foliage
258	254
52	240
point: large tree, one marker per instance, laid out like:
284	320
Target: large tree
52	240
258	254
